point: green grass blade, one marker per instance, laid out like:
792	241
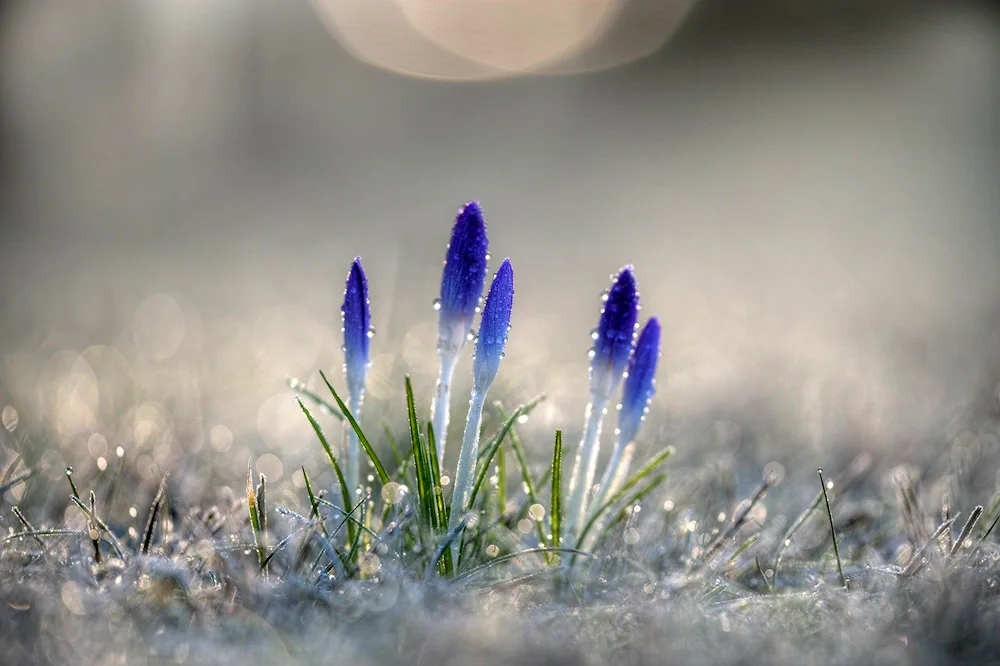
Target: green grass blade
425	485
636	478
254	516
522	462
379	469
491	448
623	513
393	443
833	528
511	556
786	540
528	407
313	503
440	512
345	493
324	406
555	511
501	483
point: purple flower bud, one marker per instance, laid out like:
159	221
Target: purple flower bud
640	383
615	334
494	326
357	317
463	276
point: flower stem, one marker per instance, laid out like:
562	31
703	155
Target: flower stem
442	398
354	400
465	471
584	466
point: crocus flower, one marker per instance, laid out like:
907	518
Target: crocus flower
640	381
615	334
356	319
638	390
613	340
489	352
461	287
464	275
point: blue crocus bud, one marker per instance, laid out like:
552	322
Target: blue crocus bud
493	327
615	334
489	352
640	381
463	276
357	318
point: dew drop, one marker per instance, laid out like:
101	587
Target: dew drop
371	333
10	418
437	304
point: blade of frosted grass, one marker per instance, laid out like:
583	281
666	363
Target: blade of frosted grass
501	495
916	562
313	503
495	443
109	536
521	553
739	518
324	406
988	531
254	516
515	443
625	511
379	469
751	540
281	544
424	483
440	512
633	481
555	511
491	449
526	409
154	512
833	529
28	526
786	540
443	551
345	493
970	524
357	536
20	478
390	438
72	485
351	519
93	528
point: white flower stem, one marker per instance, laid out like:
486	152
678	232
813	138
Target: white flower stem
442	399
584	466
352	473
614	473
465	471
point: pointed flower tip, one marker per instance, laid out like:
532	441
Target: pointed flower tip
464	269
640	384
494	326
616	331
356	313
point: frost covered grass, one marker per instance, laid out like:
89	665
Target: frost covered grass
512	556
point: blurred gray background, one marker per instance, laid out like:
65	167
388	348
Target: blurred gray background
808	192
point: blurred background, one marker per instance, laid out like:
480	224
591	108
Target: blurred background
808	192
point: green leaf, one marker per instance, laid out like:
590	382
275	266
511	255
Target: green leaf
555	511
379	469
648	468
491	448
345	493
